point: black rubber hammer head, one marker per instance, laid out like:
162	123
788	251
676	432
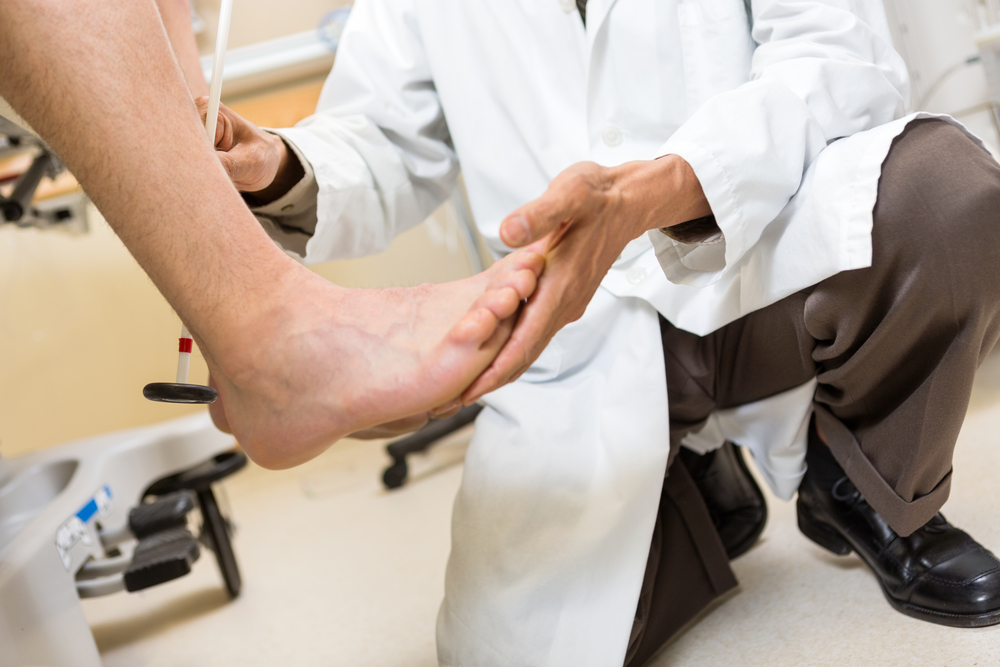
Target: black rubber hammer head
173	392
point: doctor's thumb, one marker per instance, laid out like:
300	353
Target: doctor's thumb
539	218
515	230
522	228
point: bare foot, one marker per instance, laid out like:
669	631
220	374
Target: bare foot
334	361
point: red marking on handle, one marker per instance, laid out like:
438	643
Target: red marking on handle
185	345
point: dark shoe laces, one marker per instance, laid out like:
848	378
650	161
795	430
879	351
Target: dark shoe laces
844	491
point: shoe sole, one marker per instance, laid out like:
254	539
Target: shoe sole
833	540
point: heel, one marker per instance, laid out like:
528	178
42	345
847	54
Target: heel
821	533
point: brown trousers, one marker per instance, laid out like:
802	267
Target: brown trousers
894	348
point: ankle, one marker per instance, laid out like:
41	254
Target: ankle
249	339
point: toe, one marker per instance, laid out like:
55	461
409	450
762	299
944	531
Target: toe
523	282
521	260
499	337
475	328
534	262
502	302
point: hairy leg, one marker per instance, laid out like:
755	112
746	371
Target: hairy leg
176	17
298	362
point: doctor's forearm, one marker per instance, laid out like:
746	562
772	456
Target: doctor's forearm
661	193
627	200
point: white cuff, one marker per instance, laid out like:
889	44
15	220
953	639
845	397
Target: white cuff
299	195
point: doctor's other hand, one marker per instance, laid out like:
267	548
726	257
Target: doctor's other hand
257	162
581	224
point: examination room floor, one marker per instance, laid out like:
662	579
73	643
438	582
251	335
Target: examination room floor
339	572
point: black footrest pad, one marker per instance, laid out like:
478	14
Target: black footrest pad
161	557
166	512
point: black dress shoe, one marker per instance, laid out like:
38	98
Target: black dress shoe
731	495
937	574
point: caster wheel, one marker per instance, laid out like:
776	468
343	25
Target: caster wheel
395	475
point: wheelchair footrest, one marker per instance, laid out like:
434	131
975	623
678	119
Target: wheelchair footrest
165	512
161	557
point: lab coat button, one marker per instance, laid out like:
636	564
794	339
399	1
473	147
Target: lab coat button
612	136
636	275
568	5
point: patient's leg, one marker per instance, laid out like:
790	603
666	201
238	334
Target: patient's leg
176	17
299	362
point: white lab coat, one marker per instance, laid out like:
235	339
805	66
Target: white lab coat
553	520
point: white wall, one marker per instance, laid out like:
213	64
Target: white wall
932	36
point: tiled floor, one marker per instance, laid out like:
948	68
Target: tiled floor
339	572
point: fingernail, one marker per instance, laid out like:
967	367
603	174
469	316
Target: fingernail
516	230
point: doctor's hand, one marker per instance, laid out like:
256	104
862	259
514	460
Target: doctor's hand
257	162
581	224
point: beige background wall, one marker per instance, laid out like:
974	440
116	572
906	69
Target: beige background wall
256	20
82	328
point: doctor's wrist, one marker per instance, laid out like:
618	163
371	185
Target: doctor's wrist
289	171
660	193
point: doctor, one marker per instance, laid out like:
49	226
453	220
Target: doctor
813	249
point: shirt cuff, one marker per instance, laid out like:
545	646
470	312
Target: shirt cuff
290	220
299	196
700	231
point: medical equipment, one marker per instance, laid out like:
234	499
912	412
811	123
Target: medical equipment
101	515
988	43
395	475
30	160
181	391
331	26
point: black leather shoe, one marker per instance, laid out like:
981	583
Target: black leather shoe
937	574
732	496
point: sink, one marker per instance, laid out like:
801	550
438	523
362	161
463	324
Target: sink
28	493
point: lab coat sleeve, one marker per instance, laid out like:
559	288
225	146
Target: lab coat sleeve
290	220
378	145
821	70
